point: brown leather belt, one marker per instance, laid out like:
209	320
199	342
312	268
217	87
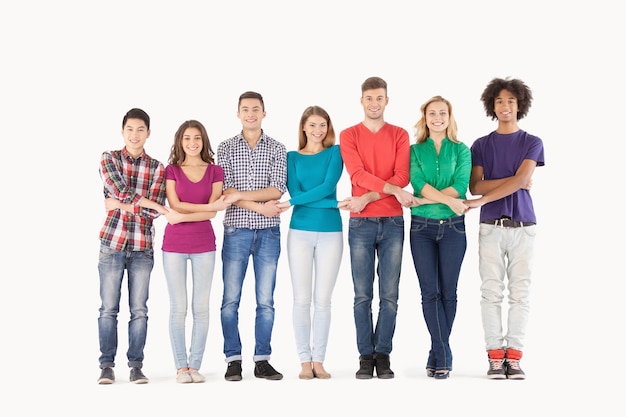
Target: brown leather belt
505	222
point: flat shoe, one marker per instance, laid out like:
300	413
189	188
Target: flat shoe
306	375
197	377
321	375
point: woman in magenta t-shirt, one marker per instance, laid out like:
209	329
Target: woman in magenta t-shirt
193	188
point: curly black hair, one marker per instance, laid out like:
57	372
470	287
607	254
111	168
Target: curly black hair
517	87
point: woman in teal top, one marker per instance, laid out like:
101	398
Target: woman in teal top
439	171
315	238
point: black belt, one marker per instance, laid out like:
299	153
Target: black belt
504	222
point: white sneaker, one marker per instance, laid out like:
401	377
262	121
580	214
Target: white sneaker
196	376
183	377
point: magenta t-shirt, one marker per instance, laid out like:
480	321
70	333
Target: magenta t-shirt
192	237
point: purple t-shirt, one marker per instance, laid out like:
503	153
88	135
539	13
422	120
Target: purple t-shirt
501	155
192	237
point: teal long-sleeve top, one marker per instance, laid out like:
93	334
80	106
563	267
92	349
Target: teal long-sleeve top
312	184
450	168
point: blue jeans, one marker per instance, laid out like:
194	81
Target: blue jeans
438	248
111	266
175	268
264	247
368	237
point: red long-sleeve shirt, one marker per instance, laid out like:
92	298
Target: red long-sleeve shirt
373	159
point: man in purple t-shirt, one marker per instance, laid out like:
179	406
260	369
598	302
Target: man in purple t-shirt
503	163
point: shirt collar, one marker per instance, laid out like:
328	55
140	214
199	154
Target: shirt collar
129	157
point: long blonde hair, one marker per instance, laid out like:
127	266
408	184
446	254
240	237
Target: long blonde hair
421	129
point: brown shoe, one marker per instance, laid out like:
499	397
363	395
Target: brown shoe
320	372
307	371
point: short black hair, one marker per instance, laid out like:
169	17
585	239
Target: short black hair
136	113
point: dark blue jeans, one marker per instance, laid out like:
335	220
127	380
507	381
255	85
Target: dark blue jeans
438	248
368	237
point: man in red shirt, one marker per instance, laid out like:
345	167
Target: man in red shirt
134	191
376	155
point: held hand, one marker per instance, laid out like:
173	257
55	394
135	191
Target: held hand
283	206
471	204
163	211
415	202
458	206
355	204
111	203
232	197
270	208
342	205
221	203
405	198
173	217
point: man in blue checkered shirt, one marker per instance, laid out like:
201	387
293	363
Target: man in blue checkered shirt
255	176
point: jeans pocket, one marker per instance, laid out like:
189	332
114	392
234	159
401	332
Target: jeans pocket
229	230
459	228
355	222
275	231
398	221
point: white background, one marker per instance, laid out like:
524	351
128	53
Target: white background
69	72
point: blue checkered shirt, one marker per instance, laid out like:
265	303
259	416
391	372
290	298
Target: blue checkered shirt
248	169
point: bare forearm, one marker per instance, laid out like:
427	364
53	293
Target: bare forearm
145	203
486	186
265	194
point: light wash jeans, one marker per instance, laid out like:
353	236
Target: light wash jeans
505	252
368	237
111	267
308	253
175	268
264	247
438	248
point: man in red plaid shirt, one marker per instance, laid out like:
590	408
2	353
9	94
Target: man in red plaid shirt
134	191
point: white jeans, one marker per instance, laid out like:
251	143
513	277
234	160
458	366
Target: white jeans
309	254
505	252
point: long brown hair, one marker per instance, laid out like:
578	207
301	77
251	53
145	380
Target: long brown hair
177	153
329	140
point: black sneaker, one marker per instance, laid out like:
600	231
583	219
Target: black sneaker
263	369
366	367
233	372
512	369
137	377
107	376
496	369
383	370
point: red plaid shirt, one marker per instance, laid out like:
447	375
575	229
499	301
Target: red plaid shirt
129	180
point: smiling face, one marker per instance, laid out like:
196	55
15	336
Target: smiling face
192	141
374	102
135	133
315	129
505	107
437	119
251	113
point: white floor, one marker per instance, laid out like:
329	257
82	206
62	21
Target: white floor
565	374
